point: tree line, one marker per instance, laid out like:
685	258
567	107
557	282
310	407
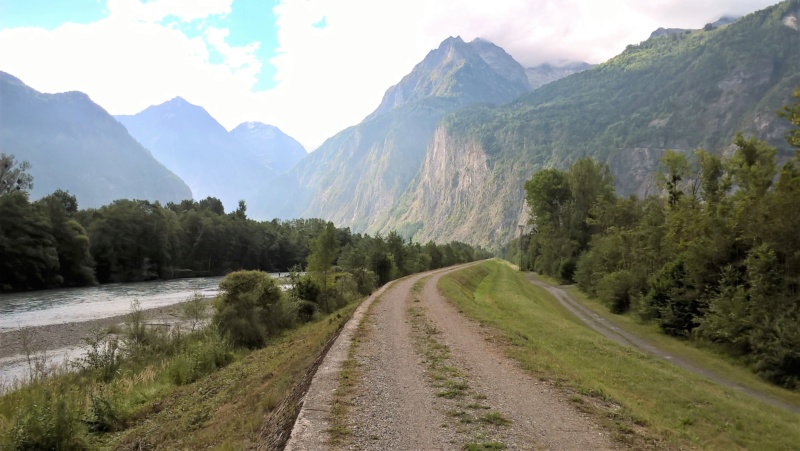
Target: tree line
715	257
50	243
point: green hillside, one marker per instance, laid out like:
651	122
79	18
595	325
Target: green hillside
680	92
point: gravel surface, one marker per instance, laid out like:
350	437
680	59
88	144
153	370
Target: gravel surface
397	408
57	336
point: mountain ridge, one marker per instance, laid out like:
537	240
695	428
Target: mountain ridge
73	144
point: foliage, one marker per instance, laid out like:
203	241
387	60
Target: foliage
250	308
715	258
13	176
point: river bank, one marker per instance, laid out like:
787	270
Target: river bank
56	336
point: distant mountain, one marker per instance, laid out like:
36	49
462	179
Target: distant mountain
213	162
679	92
269	146
75	145
355	177
543	74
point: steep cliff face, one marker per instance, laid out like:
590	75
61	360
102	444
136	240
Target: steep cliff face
680	92
460	195
356	177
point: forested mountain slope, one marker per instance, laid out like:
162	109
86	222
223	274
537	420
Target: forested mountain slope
355	177
680	92
74	145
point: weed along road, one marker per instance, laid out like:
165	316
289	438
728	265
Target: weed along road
410	372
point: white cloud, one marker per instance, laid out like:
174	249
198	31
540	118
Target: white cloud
328	78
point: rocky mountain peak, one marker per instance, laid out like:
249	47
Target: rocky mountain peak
457	71
502	63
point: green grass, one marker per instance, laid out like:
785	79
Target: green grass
641	399
167	401
696	352
226	409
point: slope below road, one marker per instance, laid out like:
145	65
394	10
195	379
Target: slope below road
625	338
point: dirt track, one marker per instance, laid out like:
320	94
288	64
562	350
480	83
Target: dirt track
604	327
399	404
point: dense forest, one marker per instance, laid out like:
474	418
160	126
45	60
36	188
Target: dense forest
51	243
715	257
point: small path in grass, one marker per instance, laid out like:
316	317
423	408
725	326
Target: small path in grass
625	338
428	378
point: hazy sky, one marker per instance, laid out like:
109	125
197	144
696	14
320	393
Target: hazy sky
310	67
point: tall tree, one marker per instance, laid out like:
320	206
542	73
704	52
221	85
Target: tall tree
13	176
324	250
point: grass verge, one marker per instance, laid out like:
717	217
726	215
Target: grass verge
171	400
696	352
643	400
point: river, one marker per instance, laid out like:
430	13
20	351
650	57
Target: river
74	305
67	305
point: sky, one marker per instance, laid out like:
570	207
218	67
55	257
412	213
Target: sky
309	67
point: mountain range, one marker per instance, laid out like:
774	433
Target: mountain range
74	145
445	154
230	166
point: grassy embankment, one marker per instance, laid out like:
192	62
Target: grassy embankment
643	400
151	403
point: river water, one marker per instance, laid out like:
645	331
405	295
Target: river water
67	305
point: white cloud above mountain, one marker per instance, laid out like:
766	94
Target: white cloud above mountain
327	76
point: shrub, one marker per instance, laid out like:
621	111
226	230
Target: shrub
106	410
566	270
617	289
202	357
250	308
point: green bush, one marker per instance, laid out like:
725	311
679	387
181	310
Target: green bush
251	307
566	270
48	418
617	289
106	410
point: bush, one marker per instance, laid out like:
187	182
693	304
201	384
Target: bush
617	289
306	310
106	410
251	307
202	357
566	270
307	289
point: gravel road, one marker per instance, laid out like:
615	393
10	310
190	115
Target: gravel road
399	404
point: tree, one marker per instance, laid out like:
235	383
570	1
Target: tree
792	113
324	250
14	177
548	193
